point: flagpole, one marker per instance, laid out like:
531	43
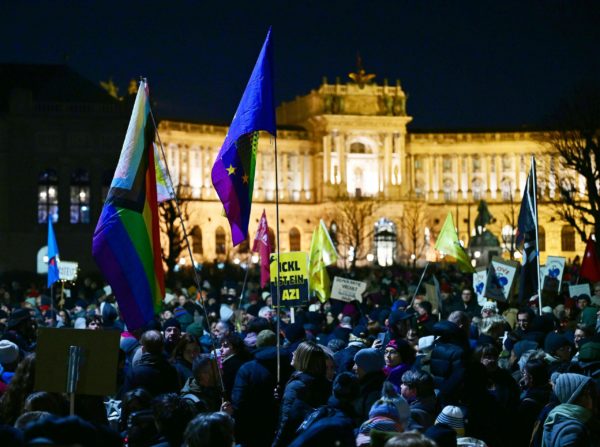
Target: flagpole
419	285
245	279
278	268
537	237
189	248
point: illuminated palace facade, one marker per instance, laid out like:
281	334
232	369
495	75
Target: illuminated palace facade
352	140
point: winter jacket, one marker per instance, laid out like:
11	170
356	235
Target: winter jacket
344	359
153	373
303	394
570	425
253	400
532	403
448	359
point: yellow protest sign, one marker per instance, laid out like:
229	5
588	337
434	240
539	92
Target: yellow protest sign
293	280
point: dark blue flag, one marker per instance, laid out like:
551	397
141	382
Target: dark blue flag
53	274
526	228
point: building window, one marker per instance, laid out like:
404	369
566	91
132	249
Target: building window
542	238
447	165
506	187
385	241
48	196
220	241
567	238
80	197
357	148
295	242
477	189
419	189
418	164
448	190
196	234
476	162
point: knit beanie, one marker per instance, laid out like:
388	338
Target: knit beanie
266	337
521	347
590	352
9	352
453	417
568	387
345	387
195	329
369	360
554	342
171	322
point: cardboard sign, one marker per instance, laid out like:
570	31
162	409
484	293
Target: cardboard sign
67	270
345	289
500	279
98	366
553	273
580	289
479	280
293	283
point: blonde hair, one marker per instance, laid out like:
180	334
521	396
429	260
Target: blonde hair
310	358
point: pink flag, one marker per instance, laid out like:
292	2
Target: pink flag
262	245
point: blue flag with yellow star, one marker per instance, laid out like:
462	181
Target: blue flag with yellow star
233	171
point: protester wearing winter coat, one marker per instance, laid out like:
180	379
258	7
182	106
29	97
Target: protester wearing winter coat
572	422
369	364
306	390
153	372
253	400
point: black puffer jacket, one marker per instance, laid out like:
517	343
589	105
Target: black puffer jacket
303	394
448	359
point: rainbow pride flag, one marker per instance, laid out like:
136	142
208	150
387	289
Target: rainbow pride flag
126	243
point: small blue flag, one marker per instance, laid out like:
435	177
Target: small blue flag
53	274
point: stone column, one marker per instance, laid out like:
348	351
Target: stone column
458	169
488	165
440	174
429	171
341	150
302	167
326	158
469	166
517	185
498	167
387	159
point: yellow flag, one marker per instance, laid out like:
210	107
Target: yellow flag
322	254
447	243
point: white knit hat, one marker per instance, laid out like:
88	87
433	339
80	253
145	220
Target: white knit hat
453	417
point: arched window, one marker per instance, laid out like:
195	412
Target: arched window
80	197
542	238
385	241
567	238
295	242
357	148
47	196
196	234
272	240
220	241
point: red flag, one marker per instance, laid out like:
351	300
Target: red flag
262	245
590	266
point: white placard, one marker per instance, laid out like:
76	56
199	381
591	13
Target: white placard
500	279
347	289
580	289
107	290
479	279
67	270
553	272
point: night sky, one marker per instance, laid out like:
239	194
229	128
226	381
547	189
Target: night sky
464	64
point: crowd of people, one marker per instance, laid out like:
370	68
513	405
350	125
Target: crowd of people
393	370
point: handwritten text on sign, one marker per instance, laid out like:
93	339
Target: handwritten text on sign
293	280
347	289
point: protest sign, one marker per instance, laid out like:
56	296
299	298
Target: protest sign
553	273
97	367
293	283
580	289
479	280
345	289
67	270
500	279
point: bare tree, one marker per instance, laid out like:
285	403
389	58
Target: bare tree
576	140
412	240
354	228
170	226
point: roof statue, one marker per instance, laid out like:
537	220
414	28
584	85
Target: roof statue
361	77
